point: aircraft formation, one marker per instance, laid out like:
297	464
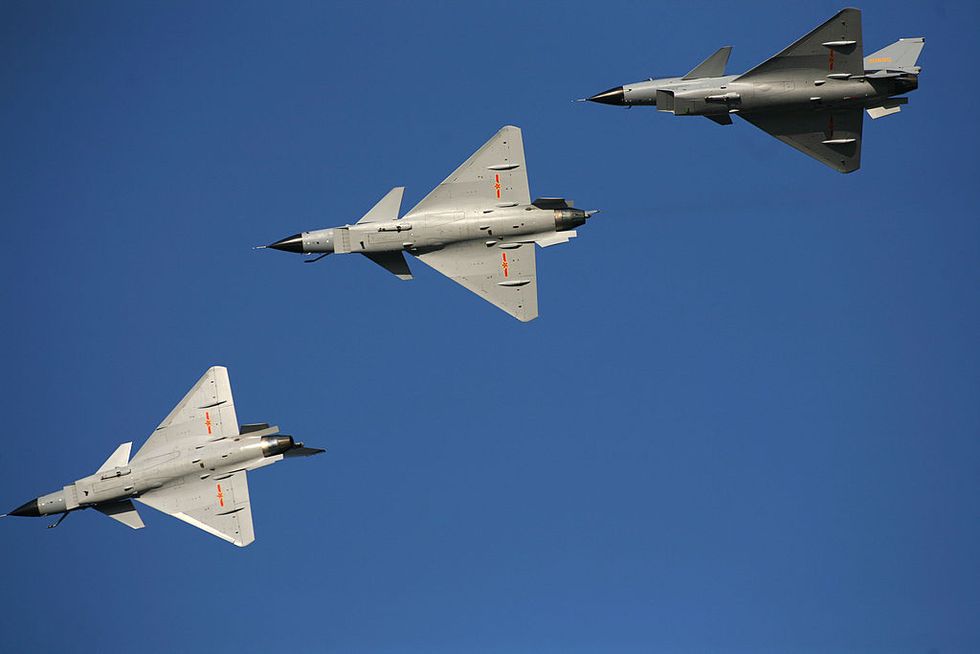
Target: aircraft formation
479	227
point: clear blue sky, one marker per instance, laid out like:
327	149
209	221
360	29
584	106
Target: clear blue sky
747	419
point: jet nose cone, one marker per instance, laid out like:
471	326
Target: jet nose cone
615	96
27	509
292	243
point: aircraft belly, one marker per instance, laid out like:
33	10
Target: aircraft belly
796	95
103	488
384	241
520	224
446	232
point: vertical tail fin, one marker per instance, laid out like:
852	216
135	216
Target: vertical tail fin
900	55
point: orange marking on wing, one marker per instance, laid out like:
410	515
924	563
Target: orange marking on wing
496	184
207	420
221	496
831	59
503	263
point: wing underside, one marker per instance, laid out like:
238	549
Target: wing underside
833	47
205	414
219	505
495	175
504	276
832	137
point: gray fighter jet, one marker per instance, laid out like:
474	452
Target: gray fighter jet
478	228
810	96
193	466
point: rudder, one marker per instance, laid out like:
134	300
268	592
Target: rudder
900	55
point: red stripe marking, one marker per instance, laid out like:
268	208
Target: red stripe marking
503	263
496	184
207	420
831	59
221	496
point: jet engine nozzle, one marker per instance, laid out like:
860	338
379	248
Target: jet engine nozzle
273	445
566	219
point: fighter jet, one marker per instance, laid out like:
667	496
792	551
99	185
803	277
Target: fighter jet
478	227
193	467
810	96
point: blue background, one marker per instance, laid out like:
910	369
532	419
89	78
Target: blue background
747	419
